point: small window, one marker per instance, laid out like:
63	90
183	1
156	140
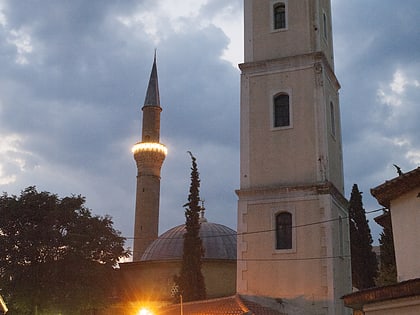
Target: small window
281	111
284	230
325	24
332	114
279	15
341	237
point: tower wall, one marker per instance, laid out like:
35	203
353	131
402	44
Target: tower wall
292	166
308	29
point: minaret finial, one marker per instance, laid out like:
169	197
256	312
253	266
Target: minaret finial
202	210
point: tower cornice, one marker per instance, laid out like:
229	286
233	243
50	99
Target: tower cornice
292	191
290	63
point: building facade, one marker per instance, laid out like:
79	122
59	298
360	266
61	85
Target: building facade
293	240
401	196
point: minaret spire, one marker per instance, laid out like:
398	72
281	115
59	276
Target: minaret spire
149	155
152	95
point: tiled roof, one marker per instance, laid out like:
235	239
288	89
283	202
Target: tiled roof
404	289
258	309
395	187
233	305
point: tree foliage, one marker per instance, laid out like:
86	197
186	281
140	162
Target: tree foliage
191	280
55	256
363	259
388	267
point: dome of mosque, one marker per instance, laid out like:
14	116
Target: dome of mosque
219	242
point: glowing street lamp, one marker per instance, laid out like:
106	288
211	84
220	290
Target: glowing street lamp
144	311
3	306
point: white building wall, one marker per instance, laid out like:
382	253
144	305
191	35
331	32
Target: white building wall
405	214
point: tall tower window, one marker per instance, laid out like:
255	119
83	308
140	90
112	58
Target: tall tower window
332	114
325	25
341	237
281	110
279	16
284	230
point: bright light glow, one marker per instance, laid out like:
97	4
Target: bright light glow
144	311
150	146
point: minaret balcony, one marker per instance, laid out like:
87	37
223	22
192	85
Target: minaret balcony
149	147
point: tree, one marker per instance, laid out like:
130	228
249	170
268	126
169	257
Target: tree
191	280
363	259
55	256
388	267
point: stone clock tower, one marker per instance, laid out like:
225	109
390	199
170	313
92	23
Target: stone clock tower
149	155
293	239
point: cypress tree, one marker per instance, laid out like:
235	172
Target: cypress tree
190	281
388	266
363	259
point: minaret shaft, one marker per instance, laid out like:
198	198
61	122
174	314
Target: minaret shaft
151	124
149	155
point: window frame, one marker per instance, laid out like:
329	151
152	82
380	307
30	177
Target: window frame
273	110
293	231
284	231
274	5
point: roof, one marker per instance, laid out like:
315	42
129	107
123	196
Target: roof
404	289
384	220
152	95
233	305
219	242
395	187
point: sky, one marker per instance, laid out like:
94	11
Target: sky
73	77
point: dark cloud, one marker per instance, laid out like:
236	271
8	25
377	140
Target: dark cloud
372	46
74	74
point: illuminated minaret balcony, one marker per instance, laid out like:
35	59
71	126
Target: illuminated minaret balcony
149	157
149	147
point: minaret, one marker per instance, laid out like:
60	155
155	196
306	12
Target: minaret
149	155
293	240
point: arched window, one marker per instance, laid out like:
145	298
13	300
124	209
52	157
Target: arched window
325	24
284	230
279	16
281	110
340	236
332	114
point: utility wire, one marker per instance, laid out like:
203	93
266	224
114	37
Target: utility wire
263	231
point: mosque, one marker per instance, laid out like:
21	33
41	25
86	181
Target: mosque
291	253
156	260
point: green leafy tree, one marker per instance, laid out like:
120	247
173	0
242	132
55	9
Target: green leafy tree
191	280
55	256
388	267
363	259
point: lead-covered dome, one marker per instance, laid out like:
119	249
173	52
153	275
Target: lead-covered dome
219	242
